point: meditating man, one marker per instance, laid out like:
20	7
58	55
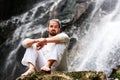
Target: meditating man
46	53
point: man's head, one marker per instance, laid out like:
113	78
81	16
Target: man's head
54	27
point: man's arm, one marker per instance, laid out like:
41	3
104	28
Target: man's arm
42	41
28	42
62	37
52	39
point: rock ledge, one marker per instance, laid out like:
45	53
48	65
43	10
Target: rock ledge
56	75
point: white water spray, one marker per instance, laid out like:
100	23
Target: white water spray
99	49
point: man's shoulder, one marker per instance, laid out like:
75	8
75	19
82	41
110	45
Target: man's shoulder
63	33
63	37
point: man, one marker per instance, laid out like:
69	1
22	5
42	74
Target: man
46	53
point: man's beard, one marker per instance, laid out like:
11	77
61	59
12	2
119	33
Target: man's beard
52	33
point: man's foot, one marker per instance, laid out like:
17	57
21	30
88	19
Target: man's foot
29	71
45	68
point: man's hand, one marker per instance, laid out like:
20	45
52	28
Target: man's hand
39	46
41	42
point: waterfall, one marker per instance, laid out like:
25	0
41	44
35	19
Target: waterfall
93	26
99	48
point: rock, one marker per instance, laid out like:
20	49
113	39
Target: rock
10	8
115	73
56	75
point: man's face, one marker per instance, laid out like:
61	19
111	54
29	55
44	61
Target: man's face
53	28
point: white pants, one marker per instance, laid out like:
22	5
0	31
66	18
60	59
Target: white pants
50	51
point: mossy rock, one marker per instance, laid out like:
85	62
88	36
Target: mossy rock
56	75
115	74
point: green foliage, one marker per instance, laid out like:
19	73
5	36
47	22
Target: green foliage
116	74
75	75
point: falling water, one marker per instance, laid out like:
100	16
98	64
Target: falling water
99	48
